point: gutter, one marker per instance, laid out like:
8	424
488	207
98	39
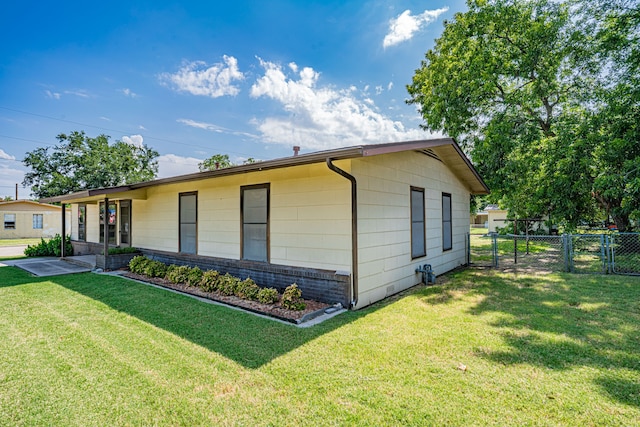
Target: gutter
354	227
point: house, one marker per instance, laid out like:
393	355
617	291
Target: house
349	225
24	219
490	217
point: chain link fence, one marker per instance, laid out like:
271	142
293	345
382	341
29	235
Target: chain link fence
615	253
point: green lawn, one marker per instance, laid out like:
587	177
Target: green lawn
538	350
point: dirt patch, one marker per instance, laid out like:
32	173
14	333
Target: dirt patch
272	310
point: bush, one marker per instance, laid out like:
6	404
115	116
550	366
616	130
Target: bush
50	248
268	296
178	274
209	282
247	289
227	284
194	276
155	269
138	264
292	298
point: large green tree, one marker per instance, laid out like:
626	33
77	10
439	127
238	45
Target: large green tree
80	162
524	86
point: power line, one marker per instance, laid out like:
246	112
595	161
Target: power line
107	129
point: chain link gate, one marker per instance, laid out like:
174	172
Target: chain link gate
625	253
617	253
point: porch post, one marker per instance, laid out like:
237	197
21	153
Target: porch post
105	229
64	229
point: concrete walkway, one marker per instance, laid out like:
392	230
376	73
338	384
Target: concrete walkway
46	266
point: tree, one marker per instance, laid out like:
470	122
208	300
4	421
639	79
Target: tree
221	161
520	84
80	162
217	161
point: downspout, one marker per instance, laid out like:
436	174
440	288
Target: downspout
354	227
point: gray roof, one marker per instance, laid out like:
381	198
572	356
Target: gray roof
443	149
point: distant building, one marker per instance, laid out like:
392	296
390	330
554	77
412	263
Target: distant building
24	219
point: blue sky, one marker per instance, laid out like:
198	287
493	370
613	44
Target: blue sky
192	79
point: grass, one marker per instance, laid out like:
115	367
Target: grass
19	242
538	350
475	231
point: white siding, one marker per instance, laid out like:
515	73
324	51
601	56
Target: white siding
384	183
310	217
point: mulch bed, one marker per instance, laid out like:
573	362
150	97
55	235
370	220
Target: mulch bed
273	310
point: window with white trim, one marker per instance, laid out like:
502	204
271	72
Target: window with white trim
37	221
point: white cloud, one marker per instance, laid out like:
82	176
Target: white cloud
106	119
405	26
81	93
322	117
390	86
5	156
197	78
9	177
135	140
142	127
379	90
172	165
214	128
201	125
52	95
129	93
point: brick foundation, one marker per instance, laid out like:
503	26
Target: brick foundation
320	285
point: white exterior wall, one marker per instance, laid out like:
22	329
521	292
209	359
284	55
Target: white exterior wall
310	217
384	221
51	221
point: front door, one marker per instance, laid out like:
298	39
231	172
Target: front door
125	223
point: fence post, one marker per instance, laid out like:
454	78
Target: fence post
565	246
494	248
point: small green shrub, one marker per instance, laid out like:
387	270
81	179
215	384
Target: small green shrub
178	274
247	289
292	298
209	282
123	250
268	295
155	269
138	264
227	284
194	276
50	248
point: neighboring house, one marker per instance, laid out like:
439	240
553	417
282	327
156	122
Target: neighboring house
349	225
496	218
490	217
22	219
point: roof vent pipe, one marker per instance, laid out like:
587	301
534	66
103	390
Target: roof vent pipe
296	150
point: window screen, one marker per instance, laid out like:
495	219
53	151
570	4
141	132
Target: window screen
188	223
418	241
255	223
446	222
37	221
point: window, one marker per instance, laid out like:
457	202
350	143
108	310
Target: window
418	238
37	221
82	227
9	221
111	222
446	222
188	223
254	210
